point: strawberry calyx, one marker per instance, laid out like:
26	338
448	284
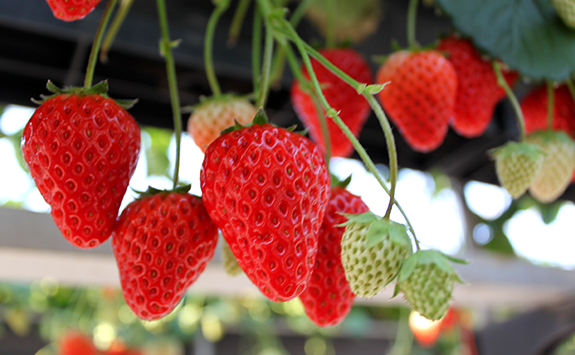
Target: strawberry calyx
204	100
530	150
100	88
549	135
259	119
182	189
380	229
336	182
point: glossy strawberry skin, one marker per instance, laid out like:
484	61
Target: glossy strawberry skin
267	190
82	151
534	108
72	10
420	99
354	109
162	244
477	88
328	298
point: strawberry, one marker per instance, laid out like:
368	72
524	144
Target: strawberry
75	343
215	114
328	299
566	10
82	148
162	243
517	165
71	10
426	279
477	88
267	189
421	96
534	108
354	108
558	164
372	250
229	261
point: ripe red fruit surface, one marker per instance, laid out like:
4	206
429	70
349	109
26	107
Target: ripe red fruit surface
328	298
75	343
162	244
534	108
267	190
477	88
82	151
354	109
421	96
71	10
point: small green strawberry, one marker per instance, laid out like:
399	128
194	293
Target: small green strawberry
517	166
426	279
558	164
229	261
566	10
372	250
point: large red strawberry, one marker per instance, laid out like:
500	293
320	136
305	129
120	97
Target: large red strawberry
534	108
75	343
82	149
328	298
267	189
354	109
477	88
162	243
421	96
71	10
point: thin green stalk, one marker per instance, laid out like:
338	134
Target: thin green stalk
411	20
97	43
238	20
266	67
123	10
571	87
278	66
404	337
256	52
166	46
299	12
503	83
324	129
550	104
330	35
221	7
294	64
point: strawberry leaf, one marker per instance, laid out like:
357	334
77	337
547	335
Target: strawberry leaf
527	35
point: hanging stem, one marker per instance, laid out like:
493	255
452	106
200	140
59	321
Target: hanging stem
330	35
97	43
299	12
411	20
238	20
166	49
221	7
503	83
256	52
404	337
266	68
123	10
550	104
571	87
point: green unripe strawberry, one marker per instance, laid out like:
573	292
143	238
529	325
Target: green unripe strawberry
517	166
372	250
229	261
426	279
558	164
566	10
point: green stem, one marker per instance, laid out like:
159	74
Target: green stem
571	87
123	10
330	35
166	49
294	65
221	7
238	20
278	66
97	43
324	130
404	337
256	52
550	104
411	20
299	12
503	83
266	67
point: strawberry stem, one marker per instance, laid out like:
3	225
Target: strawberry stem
221	7
503	83
299	12
256	50
97	43
411	20
571	88
267	65
550	104
123	10
238	20
324	129
330	35
166	50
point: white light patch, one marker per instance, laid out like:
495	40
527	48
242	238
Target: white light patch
486	200
15	118
551	244
14	182
35	202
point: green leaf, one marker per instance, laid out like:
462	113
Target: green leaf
156	153
526	34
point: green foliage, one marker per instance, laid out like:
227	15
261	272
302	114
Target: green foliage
156	152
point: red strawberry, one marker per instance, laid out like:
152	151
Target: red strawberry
421	96
71	10
328	298
354	109
162	243
75	343
477	88
534	108
82	148
267	190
